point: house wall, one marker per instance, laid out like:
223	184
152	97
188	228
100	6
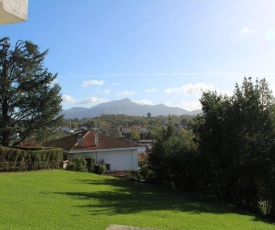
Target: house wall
12	11
118	159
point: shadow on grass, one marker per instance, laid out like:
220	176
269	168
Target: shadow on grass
125	197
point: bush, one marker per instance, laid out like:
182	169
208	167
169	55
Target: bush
21	159
90	164
87	164
100	169
78	164
146	173
70	166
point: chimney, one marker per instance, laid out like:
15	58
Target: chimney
79	140
96	139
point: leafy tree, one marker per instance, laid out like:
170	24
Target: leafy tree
235	137
134	133
172	159
184	121
30	101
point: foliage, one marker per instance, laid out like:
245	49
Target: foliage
146	173
235	137
111	124
87	164
30	101
229	153
62	199
22	159
78	164
100	169
171	159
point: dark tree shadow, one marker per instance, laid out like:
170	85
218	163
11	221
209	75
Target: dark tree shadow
131	197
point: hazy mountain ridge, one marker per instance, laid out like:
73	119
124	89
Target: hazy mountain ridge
126	107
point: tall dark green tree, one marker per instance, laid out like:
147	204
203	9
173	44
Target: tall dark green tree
172	159
235	137
30	100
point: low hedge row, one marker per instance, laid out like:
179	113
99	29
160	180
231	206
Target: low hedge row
22	159
87	165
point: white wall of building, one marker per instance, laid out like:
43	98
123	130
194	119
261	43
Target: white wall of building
121	159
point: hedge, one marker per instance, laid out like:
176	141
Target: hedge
22	159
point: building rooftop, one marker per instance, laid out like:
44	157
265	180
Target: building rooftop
88	142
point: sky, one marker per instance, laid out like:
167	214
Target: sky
150	51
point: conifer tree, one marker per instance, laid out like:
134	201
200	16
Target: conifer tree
30	100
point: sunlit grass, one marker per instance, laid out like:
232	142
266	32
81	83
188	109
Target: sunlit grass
73	200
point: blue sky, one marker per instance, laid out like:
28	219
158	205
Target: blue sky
151	51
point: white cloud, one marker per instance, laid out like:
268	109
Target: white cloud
106	91
68	99
126	93
190	89
151	90
92	82
246	30
190	105
91	100
187	105
144	102
168	103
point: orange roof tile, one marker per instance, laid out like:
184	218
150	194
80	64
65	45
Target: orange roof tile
69	143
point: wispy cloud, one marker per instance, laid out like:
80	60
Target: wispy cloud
144	102
187	105
190	105
106	91
126	93
91	100
116	84
151	90
190	89
68	99
92	82
246	30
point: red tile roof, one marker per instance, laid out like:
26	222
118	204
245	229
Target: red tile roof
143	156
69	143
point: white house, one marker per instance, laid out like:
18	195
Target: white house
12	11
117	154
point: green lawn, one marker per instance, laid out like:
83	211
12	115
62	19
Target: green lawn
73	200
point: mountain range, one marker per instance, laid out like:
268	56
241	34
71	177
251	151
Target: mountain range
126	107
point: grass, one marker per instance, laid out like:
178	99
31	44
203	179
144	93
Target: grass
73	200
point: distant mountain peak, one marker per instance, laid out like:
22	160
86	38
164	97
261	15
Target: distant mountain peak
125	99
127	107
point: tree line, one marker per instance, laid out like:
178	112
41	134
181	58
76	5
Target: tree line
230	153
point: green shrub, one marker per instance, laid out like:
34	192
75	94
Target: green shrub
70	166
146	173
90	164
100	169
80	165
15	159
